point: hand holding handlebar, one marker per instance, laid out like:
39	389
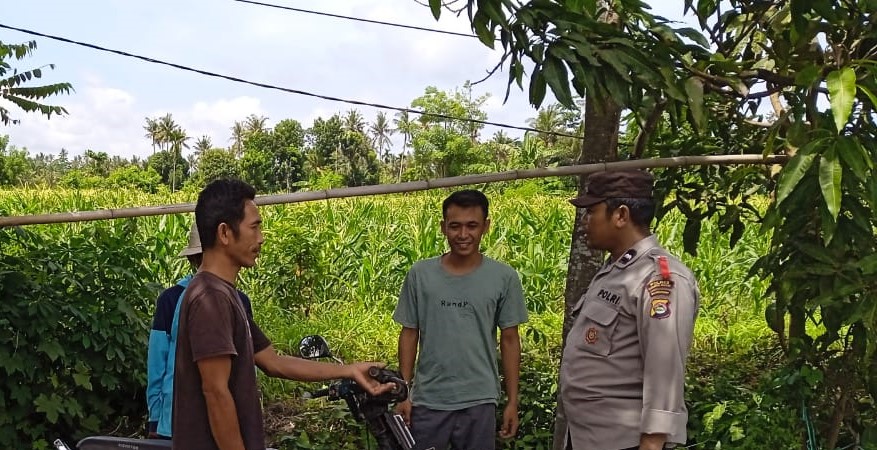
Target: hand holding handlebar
359	372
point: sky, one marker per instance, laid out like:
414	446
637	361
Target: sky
341	58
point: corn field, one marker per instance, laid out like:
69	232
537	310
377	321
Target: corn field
335	267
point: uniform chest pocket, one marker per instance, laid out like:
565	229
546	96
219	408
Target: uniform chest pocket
598	327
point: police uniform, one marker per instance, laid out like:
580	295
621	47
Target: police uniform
623	367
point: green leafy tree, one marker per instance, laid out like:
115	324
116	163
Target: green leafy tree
271	162
147	180
289	160
97	163
458	103
443	147
710	90
441	152
360	165
215	164
171	166
15	168
324	143
14	87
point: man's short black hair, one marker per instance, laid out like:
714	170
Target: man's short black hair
465	199
221	201
642	210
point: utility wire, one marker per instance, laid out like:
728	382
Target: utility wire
358	19
291	91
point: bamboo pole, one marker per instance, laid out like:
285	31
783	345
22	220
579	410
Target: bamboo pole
395	188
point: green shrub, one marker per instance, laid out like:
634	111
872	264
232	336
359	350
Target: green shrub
735	400
73	322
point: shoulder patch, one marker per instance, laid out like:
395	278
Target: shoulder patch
660	288
660	308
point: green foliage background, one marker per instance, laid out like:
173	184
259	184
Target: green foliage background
79	297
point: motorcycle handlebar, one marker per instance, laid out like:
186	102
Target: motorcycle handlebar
342	388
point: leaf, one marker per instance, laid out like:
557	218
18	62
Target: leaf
852	155
695	36
830	175
814	251
691	235
808	75
557	77
484	33
493	10
82	380
841	92
868	264
870	95
51	406
52	349
829	227
792	173
537	88
611	58
436	7
694	89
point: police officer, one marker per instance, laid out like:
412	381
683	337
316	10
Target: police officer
623	370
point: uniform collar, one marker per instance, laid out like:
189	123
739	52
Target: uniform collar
634	253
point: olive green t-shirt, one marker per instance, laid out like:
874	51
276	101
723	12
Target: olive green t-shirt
458	317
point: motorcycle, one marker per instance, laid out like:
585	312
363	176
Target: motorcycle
387	427
114	443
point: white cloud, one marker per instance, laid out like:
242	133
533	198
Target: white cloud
100	118
108	119
215	118
323	55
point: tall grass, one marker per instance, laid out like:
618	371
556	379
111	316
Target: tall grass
335	267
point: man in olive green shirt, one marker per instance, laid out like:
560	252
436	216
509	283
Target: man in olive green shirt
452	306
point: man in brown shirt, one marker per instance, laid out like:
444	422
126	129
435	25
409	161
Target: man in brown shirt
216	398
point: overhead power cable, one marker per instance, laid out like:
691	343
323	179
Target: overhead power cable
291	91
358	19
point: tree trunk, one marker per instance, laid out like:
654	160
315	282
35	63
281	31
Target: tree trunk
600	143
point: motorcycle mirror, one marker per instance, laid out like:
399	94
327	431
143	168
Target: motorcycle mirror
313	347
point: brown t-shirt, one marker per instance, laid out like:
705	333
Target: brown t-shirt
213	323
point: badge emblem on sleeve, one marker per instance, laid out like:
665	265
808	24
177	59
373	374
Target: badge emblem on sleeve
660	308
591	336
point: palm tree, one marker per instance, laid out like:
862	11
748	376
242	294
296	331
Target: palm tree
256	124
177	140
381	132
548	120
353	121
166	129
238	132
405	126
151	128
203	144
